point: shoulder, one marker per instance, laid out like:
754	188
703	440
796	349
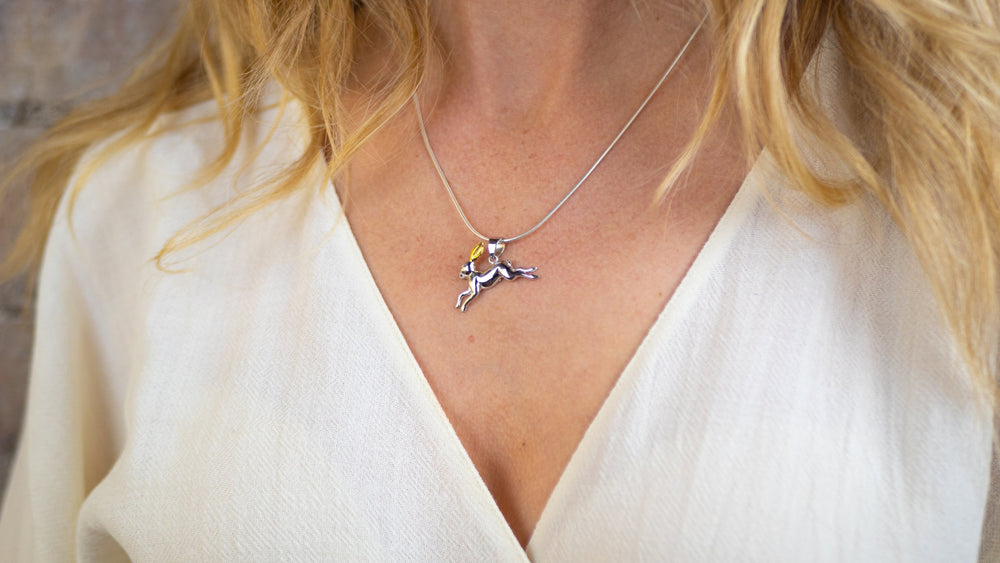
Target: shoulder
125	200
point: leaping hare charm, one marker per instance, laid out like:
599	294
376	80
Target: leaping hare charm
484	280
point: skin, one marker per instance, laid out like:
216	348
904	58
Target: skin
522	100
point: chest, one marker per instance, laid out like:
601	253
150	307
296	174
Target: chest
764	421
548	328
790	403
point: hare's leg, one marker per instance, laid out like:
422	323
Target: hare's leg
471	292
526	272
458	304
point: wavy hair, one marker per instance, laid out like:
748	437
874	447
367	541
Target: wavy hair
925	77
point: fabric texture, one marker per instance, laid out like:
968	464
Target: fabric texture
797	399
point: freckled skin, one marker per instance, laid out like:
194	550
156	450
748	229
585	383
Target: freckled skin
521	403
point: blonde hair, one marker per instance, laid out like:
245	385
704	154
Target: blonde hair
925	76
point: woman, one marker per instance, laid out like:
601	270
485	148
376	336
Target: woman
790	358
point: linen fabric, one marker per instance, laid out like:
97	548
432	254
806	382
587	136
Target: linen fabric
798	399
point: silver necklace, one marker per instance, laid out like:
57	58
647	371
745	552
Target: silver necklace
494	247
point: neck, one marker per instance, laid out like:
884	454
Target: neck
523	59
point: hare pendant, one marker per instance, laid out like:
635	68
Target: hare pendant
499	270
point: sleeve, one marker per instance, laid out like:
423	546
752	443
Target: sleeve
67	441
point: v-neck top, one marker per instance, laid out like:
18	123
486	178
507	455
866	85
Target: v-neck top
798	399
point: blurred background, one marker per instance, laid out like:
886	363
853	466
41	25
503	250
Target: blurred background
53	54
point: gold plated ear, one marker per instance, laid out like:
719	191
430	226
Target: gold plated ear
477	251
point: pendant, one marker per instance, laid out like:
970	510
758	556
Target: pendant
498	270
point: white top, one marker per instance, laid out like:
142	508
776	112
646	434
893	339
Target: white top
796	400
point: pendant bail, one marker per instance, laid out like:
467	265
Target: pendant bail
495	248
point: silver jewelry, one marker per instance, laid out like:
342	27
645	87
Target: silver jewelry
495	246
485	280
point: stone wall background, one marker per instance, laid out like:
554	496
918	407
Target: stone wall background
53	54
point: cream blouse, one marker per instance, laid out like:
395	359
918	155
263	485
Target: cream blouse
796	400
